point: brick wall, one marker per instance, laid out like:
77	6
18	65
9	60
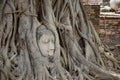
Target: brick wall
93	12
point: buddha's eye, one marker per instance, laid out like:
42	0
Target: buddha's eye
45	41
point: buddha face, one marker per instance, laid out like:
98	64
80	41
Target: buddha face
46	44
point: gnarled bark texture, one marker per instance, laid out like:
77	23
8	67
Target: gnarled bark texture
78	48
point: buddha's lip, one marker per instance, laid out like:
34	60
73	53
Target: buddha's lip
51	53
50	50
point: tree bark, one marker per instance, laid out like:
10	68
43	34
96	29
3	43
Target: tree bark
77	46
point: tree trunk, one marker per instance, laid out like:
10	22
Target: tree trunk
78	49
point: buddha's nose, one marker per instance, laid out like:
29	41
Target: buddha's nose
51	46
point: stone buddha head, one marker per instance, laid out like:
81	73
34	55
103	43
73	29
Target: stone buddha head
46	41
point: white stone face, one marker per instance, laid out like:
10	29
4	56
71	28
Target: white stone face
46	44
115	4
